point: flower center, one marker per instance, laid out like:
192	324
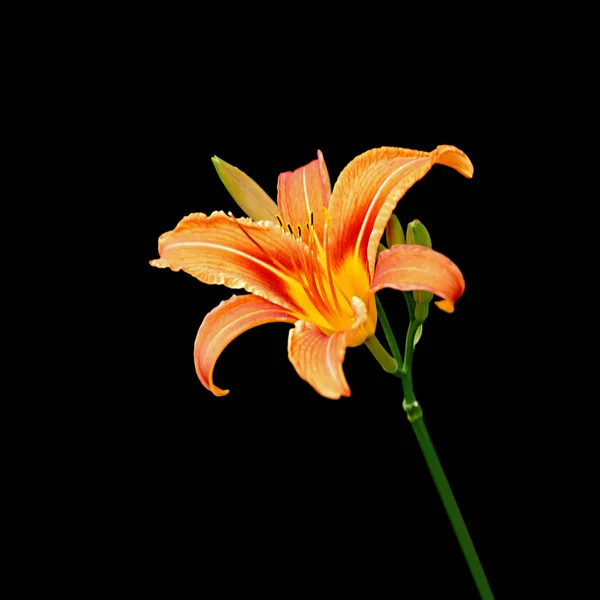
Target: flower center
325	298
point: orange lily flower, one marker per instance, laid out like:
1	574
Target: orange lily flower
311	259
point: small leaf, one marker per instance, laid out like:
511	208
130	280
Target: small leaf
418	334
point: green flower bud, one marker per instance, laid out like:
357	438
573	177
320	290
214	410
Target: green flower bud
393	232
416	233
248	195
422	298
422	308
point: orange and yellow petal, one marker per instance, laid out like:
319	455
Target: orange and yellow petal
407	267
223	324
367	192
237	253
303	192
318	357
248	195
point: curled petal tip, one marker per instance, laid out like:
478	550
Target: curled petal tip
457	159
225	323
161	263
445	305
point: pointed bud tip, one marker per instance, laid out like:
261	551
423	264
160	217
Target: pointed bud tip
247	194
416	233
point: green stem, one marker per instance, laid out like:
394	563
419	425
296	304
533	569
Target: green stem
410	304
389	334
414	413
452	510
389	364
409	348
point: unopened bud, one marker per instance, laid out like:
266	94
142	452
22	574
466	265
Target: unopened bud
248	195
393	232
416	233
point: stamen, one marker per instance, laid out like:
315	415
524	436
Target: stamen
305	274
319	278
307	269
316	285
300	272
279	221
315	269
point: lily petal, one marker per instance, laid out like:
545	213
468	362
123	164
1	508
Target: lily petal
318	357
248	195
406	267
223	324
238	253
303	192
367	192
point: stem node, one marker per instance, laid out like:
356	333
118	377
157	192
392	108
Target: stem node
413	410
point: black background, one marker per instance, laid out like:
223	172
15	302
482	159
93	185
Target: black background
273	487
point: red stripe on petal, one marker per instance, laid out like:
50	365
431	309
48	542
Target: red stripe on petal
368	190
239	253
302	192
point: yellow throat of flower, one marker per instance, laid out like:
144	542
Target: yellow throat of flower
325	296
